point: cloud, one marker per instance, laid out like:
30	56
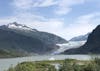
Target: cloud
83	24
62	11
65	6
80	25
87	18
61	6
90	20
22	4
28	4
44	3
52	25
7	20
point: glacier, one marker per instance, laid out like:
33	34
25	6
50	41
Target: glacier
69	45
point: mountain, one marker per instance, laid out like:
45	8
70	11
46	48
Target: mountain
27	31
92	46
80	38
20	40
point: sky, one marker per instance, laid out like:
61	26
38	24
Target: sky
65	18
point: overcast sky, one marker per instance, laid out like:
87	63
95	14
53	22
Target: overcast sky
66	18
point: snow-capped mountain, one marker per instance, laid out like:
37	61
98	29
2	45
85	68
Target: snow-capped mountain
18	38
80	38
17	26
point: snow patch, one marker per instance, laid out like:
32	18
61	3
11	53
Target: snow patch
19	27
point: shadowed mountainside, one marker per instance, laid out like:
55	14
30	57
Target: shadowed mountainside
18	40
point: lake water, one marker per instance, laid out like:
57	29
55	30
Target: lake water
6	63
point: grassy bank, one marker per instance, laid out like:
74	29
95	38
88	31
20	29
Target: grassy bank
64	65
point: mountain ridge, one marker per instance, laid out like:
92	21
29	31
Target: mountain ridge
80	38
27	41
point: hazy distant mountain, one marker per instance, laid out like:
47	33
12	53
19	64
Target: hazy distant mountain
91	46
18	39
80	38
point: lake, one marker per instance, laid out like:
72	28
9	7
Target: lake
6	63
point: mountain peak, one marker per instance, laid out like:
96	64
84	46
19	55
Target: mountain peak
15	24
18	26
80	38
